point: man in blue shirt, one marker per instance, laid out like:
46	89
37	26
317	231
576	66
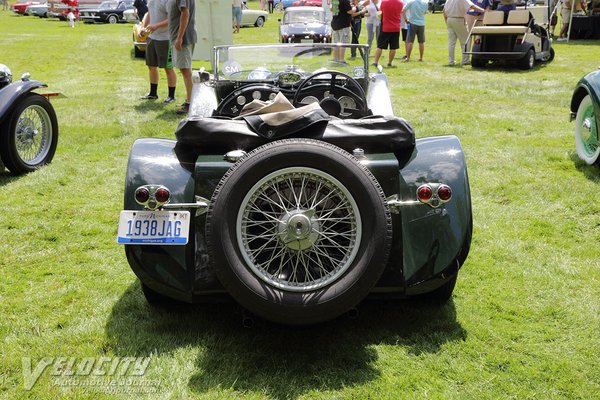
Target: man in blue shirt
416	9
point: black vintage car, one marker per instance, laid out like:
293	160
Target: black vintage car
109	11
294	189
304	25
28	124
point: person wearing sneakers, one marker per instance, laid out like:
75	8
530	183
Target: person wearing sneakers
182	33
415	21
158	49
391	13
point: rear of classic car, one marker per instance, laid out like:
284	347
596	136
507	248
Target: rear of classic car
585	110
298	229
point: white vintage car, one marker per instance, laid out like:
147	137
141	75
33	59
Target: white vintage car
253	17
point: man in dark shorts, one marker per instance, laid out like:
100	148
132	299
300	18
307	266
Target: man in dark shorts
415	20
389	37
158	49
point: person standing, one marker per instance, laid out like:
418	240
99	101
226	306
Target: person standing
141	8
340	23
358	13
158	49
4	5
236	15
454	15
182	34
473	15
416	25
391	13
271	6
372	24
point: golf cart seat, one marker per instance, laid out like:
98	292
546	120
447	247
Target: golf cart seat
493	23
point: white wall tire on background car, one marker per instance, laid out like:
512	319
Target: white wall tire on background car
260	22
298	231
586	132
112	19
29	135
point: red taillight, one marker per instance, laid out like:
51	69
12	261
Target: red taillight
444	192
162	195
519	41
477	41
424	193
142	195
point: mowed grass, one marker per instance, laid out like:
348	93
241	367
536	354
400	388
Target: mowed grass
525	318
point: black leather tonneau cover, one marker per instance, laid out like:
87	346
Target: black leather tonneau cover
376	134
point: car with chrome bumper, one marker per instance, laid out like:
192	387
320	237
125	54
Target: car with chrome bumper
109	12
304	25
293	188
28	124
585	111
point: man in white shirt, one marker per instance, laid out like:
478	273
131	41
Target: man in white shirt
454	15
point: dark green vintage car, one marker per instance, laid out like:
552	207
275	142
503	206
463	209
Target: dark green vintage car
585	110
294	189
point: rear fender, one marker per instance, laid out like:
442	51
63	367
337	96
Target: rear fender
589	84
166	269
11	94
435	240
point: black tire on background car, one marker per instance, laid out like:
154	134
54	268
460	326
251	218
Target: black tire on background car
112	19
138	53
550	56
29	135
528	61
298	231
260	22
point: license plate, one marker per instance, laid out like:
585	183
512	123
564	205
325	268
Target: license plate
306	40
154	227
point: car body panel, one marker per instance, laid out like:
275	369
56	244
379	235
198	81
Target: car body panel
11	94
304	24
587	85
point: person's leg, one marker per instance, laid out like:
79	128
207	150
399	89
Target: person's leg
391	57
462	33
451	41
409	46
421	50
377	55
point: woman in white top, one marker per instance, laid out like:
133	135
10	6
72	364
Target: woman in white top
373	21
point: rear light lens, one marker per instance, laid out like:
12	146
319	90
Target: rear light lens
444	193
519	41
424	193
162	195
142	195
477	41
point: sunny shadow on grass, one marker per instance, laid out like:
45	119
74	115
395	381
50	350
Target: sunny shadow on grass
279	361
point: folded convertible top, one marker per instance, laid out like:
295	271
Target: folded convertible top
376	134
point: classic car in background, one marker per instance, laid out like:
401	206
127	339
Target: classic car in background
436	5
21	6
304	24
516	38
293	188
109	12
37	10
253	17
308	3
130	15
139	40
28	124
585	110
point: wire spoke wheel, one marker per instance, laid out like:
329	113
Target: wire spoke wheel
298	229
33	135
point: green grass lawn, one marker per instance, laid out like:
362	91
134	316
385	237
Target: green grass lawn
525	318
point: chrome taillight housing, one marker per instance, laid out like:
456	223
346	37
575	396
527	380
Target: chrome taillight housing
434	194
152	196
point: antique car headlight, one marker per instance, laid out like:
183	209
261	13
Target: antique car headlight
5	75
